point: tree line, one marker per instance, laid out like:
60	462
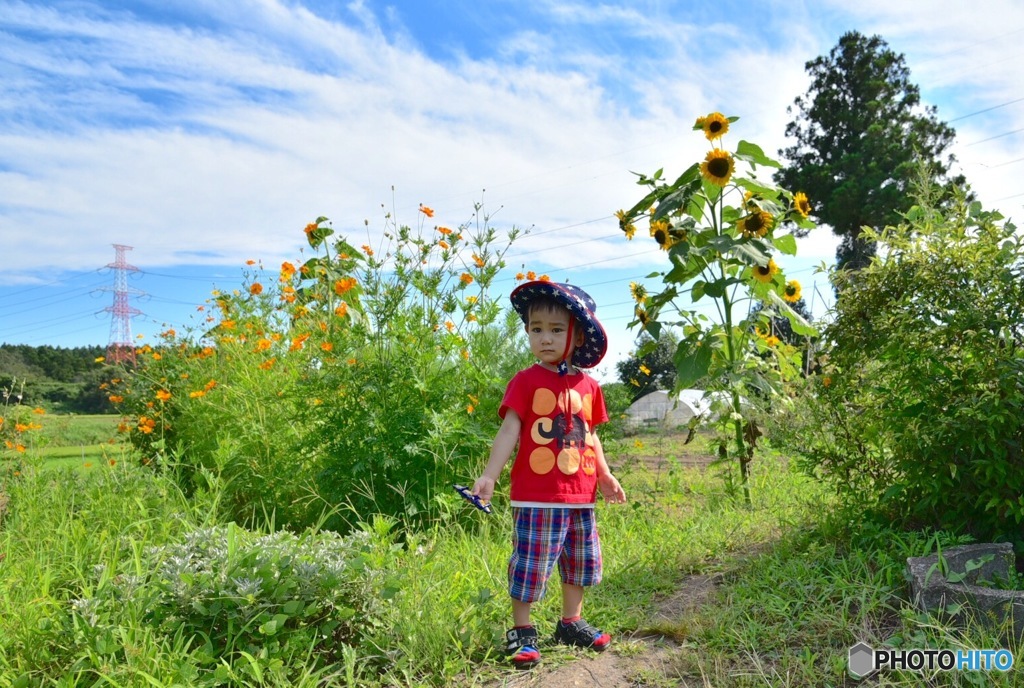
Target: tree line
61	380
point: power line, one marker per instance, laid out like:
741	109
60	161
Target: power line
989	109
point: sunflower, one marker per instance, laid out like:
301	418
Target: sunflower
714	125
628	227
757	223
661	234
801	204
765	273
642	317
792	291
638	291
717	167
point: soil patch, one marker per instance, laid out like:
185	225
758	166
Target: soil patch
644	658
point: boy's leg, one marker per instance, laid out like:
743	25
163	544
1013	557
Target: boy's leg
536	544
521	613
580	566
572	600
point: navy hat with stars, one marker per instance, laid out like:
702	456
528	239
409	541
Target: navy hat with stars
582	307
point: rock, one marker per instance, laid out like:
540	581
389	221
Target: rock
959	597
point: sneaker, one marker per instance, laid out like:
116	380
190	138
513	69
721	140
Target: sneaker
522	647
582	634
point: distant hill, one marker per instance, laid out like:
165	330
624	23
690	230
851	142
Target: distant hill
61	380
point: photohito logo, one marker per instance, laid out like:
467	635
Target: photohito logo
864	660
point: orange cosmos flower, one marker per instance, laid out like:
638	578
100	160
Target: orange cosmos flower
444	230
327	346
443	244
519	277
531	275
478	261
466	278
38	410
268	364
367	250
298	342
196	394
429	212
250	262
341	310
256	288
163	395
115	398
343	285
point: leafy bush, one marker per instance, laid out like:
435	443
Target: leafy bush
354	383
232	591
920	408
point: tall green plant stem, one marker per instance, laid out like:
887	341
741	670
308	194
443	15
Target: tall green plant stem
730	347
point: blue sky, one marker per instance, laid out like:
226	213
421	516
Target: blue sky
203	133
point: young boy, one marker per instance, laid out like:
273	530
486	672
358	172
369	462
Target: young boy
551	411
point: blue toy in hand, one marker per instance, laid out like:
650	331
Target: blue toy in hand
472	498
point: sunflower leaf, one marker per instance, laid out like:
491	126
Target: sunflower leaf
785	243
692	364
752	153
752	252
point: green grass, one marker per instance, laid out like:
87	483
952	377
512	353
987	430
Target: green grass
800	585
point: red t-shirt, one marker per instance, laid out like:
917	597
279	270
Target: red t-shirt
556	461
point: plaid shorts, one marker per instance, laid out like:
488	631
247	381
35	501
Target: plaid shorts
543	535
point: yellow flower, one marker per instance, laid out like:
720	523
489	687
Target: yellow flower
714	125
100	359
717	167
449	325
756	224
792	291
638	291
196	394
645	370
771	340
765	273
628	227
801	204
471	300
661	234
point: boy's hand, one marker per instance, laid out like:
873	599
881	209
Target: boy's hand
483	488
611	490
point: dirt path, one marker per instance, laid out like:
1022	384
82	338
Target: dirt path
643	660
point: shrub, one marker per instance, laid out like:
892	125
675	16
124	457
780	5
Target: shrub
920	407
233	591
356	382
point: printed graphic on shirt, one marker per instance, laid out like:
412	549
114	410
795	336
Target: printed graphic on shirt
562	433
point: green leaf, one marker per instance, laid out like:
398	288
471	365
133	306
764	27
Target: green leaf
786	244
752	153
752	252
692	364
